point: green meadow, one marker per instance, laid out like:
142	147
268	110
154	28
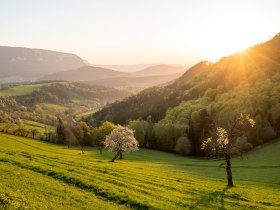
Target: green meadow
38	175
40	127
19	90
85	114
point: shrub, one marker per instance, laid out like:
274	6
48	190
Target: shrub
183	146
242	144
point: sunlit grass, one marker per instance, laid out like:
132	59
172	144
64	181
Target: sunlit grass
20	90
144	179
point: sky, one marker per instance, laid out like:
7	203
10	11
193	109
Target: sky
143	31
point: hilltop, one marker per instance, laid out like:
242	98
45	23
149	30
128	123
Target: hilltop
255	65
149	77
162	69
28	62
85	73
206	96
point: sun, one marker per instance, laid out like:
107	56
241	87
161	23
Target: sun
231	34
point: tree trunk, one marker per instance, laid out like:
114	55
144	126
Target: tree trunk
100	150
82	149
116	156
228	169
121	155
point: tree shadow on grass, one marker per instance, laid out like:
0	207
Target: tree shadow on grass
211	198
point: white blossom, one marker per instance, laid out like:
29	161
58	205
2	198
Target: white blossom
222	137
121	139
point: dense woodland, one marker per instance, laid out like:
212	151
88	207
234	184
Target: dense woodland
208	94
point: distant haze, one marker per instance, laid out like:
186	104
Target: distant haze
126	68
114	32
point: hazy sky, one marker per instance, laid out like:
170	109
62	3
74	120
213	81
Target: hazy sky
139	31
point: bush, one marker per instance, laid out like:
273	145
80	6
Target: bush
167	135
268	133
183	146
242	144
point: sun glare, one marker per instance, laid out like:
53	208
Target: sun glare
231	34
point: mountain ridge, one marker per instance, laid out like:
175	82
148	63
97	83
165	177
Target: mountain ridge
31	62
161	69
85	73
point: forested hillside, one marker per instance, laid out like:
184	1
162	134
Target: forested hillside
43	102
209	93
246	68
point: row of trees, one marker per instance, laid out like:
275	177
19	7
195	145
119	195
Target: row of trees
186	138
19	130
116	138
80	133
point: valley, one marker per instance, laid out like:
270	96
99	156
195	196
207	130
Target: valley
145	105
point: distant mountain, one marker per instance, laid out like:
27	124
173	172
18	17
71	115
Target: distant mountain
86	73
27	62
126	68
140	83
161	69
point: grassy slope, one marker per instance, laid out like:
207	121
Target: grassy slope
85	114
44	176
41	128
20	90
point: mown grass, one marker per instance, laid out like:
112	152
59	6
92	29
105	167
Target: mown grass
39	175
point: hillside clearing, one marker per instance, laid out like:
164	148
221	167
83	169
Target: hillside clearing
20	90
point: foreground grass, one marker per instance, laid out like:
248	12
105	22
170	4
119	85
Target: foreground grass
44	176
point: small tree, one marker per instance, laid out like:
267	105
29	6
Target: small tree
121	140
34	132
60	130
78	132
105	129
221	143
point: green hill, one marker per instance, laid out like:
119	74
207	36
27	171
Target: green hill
38	175
206	96
44	101
250	68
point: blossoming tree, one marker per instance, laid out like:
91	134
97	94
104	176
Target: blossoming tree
121	140
221	143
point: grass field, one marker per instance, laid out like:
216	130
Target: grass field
20	90
38	175
41	128
85	114
55	107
